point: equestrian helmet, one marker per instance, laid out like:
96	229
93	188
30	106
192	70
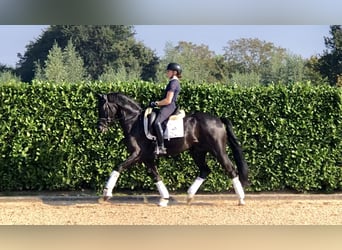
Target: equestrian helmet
174	67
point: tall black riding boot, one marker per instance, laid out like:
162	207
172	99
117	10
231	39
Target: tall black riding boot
160	149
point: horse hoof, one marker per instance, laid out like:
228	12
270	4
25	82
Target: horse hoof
241	202
163	202
101	200
189	199
106	198
106	194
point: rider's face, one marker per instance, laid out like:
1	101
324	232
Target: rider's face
169	73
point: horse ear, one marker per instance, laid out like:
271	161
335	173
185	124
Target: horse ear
102	96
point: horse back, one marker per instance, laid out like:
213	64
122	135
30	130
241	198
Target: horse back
201	125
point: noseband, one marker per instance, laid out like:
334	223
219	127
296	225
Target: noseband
108	109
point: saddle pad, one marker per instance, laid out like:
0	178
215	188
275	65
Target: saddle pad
174	126
174	129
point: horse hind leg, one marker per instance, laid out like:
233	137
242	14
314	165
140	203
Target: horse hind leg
239	190
164	193
228	165
199	159
193	189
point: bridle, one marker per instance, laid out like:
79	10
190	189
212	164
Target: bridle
109	110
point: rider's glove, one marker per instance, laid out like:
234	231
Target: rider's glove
153	104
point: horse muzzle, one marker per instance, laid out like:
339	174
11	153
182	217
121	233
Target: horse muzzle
102	127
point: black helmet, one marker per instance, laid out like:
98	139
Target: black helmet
174	67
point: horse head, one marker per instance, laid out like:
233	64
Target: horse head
107	112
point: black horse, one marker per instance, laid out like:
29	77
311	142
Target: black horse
203	133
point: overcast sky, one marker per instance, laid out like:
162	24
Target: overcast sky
304	40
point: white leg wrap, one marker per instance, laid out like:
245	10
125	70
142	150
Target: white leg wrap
111	182
164	200
239	190
162	190
195	186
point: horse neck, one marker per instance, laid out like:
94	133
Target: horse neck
128	118
129	113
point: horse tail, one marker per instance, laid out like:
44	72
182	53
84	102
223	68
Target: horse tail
237	152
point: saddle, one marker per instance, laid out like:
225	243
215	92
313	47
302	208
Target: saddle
174	124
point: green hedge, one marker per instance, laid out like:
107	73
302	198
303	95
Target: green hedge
291	137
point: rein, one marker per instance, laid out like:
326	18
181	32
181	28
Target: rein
110	119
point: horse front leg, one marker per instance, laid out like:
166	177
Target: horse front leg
164	193
114	176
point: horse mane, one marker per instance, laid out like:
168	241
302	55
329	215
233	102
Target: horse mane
123	100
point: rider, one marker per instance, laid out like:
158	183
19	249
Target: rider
167	104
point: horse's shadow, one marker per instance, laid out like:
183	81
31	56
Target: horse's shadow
139	199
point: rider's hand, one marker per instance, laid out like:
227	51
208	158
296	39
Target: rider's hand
153	104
